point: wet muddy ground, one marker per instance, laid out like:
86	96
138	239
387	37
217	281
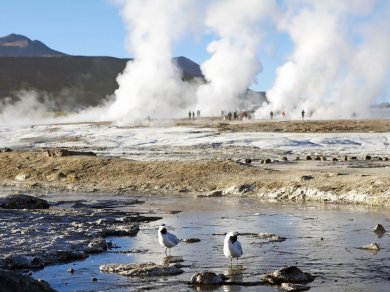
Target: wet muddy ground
323	240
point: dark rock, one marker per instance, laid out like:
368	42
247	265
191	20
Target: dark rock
248	160
308	157
97	245
58	152
379	229
317	158
6	149
345	157
290	274
131	230
20	201
354	158
386	159
246	188
267	161
323	158
307	177
142	270
207	278
368	157
335	159
172	260
216	193
78	205
14	261
16	282
191	240
56	256
94	279
297	158
284	158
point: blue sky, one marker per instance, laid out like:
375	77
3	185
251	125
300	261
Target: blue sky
95	28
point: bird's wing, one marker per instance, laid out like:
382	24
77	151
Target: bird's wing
172	238
239	247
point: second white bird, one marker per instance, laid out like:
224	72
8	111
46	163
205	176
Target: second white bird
232	247
167	239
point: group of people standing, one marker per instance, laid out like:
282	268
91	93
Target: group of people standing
283	114
191	114
236	115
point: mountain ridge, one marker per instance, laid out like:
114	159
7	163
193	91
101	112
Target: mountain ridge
70	82
15	45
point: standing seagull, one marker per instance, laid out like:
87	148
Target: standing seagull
167	239
232	247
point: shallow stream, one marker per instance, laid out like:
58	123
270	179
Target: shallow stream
321	239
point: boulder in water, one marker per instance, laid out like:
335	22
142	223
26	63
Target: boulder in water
21	201
207	278
290	274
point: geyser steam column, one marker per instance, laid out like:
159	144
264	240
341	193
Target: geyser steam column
233	65
150	84
339	62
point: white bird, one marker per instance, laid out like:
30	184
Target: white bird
232	247
167	239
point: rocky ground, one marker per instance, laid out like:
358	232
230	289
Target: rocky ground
35	233
352	181
294	126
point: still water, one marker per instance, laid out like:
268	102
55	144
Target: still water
321	239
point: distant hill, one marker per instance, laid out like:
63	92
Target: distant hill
70	82
15	45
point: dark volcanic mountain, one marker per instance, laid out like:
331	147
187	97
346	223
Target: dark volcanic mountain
15	45
69	82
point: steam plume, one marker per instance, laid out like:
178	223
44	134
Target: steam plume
233	64
151	84
340	59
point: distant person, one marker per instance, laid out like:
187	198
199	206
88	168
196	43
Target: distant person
271	114
303	114
235	115
198	113
283	115
229	116
189	115
193	115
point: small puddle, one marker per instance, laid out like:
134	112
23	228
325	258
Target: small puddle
321	239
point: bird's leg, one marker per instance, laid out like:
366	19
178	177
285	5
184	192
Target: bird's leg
231	262
237	261
166	252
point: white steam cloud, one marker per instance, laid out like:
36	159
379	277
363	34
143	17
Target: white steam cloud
29	106
340	59
233	65
151	85
338	65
